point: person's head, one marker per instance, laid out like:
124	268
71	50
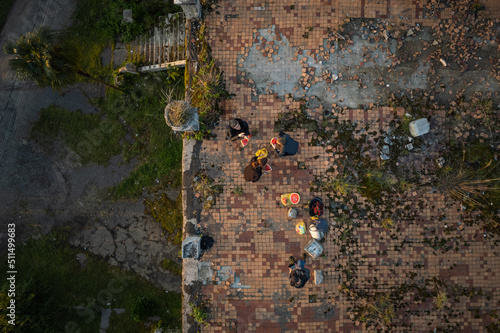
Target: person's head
262	161
234	124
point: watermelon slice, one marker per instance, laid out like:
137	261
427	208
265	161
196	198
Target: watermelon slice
284	201
244	142
267	168
274	141
294	198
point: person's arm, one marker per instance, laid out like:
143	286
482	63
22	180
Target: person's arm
245	129
233	134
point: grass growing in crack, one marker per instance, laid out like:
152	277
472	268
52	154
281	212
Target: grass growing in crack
95	137
341	185
440	299
378	312
51	282
172	266
404	125
374	182
387	223
207	89
168	213
206	189
471	175
468	186
238	190
199	313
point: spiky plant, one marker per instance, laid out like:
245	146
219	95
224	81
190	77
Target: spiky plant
470	186
440	299
39	56
387	223
341	185
380	312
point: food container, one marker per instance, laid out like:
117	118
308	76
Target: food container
300	228
288	199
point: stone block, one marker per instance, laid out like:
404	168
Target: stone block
419	127
205	272
127	16
191	247
129	68
318	277
192	8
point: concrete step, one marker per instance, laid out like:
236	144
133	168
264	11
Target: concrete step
163	44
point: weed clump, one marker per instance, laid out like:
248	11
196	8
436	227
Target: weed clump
207	89
206	189
199	313
440	299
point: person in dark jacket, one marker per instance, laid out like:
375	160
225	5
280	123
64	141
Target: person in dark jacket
253	171
299	275
285	145
238	129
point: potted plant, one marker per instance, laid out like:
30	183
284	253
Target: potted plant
181	117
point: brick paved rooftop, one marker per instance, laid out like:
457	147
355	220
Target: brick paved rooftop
280	56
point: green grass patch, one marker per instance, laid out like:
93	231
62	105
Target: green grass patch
172	267
168	213
152	142
95	137
50	282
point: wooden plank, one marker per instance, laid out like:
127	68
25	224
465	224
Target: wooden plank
161	67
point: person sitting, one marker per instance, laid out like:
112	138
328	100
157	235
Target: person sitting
299	275
238	129
285	145
253	171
